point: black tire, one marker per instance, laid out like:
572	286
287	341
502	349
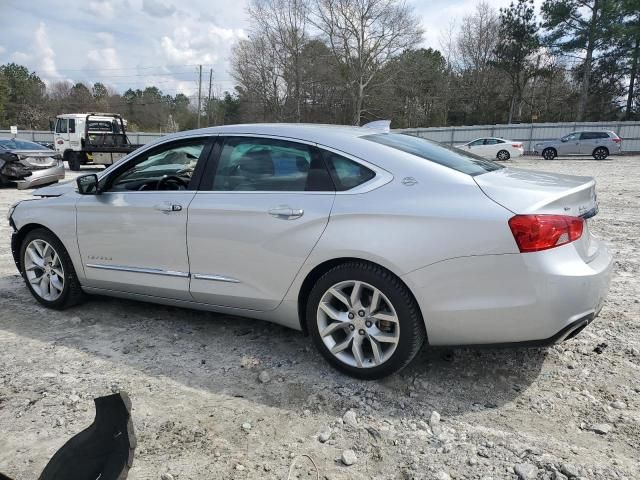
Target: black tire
73	159
412	332
549	153
503	155
600	153
72	292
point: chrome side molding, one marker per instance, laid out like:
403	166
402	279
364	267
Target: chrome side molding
151	271
169	273
214	278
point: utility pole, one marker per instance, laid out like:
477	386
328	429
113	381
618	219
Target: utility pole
209	99
199	95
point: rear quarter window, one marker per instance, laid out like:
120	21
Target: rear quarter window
456	159
346	173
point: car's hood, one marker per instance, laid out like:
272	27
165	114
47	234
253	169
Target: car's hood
56	190
525	192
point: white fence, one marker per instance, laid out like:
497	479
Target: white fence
137	138
527	133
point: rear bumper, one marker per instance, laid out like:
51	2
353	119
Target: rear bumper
526	299
42	177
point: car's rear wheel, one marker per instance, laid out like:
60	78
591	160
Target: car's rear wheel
48	271
600	153
503	155
364	320
549	153
73	159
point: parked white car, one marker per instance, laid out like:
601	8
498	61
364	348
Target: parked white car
492	147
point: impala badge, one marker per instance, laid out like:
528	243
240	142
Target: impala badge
409	181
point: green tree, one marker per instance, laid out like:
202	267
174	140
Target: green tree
25	91
581	26
517	45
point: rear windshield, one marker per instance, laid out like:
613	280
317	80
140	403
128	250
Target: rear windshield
436	152
16	144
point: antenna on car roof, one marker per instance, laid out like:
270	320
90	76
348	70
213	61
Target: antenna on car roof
384	125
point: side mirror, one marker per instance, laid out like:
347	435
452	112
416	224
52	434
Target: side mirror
88	184
564	140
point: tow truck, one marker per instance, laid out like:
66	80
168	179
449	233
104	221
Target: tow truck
91	138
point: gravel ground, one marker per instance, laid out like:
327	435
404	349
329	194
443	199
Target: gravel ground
223	397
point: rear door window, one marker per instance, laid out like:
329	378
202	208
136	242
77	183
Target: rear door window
490	141
454	158
270	165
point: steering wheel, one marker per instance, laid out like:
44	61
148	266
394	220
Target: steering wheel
171	179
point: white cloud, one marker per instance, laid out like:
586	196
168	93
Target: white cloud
100	8
2	49
45	53
156	8
104	59
194	46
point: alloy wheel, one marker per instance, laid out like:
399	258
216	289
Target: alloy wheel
548	154
358	324
44	270
503	155
600	154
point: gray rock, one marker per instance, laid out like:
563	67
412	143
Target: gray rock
349	457
239	467
59	422
619	405
246	426
442	476
526	471
434	419
601	428
264	377
349	418
324	436
558	476
570	470
166	476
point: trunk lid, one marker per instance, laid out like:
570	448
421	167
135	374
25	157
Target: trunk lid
527	192
37	159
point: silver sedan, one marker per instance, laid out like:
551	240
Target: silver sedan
372	242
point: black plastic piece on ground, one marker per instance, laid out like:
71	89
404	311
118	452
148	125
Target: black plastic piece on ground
104	450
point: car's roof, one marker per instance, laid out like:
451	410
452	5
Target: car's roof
311	132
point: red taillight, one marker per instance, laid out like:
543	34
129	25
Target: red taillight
516	145
541	232
617	140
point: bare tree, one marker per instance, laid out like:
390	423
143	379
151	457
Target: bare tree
255	68
363	35
283	24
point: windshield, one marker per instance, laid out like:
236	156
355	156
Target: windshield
17	144
451	157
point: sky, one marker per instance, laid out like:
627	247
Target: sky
136	43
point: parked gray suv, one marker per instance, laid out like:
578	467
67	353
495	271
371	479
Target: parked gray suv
599	144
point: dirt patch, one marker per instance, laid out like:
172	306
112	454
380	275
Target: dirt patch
202	409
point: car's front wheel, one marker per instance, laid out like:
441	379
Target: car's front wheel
47	270
364	320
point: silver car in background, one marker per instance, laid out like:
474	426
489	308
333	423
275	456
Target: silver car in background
598	144
372	242
28	164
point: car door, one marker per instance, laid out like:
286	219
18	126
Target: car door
258	215
490	148
570	144
477	146
61	135
132	236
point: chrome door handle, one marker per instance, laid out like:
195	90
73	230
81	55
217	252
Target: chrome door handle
286	213
168	207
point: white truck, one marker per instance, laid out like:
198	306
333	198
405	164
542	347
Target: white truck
91	138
